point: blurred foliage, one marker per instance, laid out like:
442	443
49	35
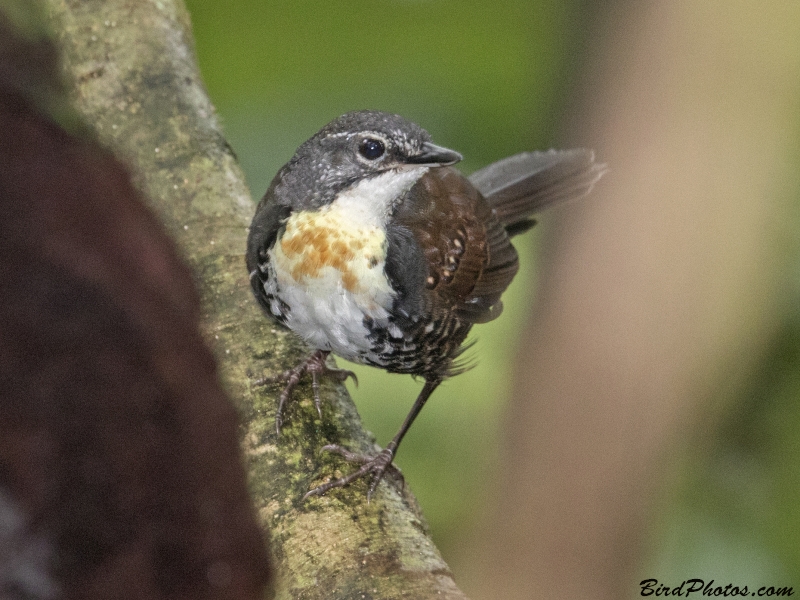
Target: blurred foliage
488	79
733	513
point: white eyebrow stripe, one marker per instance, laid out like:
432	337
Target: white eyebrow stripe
349	134
340	134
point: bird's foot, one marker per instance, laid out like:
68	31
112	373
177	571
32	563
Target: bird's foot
314	364
375	466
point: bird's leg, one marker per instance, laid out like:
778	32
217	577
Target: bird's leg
314	364
376	466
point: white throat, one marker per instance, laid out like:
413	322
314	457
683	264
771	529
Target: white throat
370	201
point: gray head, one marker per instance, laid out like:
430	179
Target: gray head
355	146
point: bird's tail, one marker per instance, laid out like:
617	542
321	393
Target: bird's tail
520	186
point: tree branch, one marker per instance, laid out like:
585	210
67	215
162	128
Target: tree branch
134	78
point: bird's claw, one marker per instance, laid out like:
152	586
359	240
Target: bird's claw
374	466
314	364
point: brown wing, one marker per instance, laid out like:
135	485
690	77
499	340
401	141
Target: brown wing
468	256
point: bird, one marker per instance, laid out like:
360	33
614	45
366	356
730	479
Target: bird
370	245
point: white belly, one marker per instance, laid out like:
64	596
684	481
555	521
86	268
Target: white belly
332	279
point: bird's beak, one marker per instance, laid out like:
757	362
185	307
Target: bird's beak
431	155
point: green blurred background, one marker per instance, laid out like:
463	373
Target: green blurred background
489	80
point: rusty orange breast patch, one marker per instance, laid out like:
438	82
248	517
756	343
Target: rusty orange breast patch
325	245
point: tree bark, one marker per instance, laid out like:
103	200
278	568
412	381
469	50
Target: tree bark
133	74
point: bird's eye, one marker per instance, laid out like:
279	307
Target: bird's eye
371	148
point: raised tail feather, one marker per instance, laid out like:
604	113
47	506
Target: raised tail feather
520	186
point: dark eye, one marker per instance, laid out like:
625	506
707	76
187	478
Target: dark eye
371	148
